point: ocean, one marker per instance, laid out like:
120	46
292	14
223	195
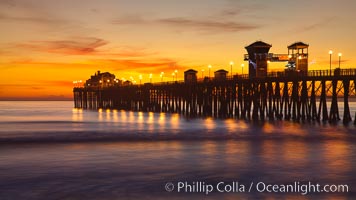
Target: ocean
49	150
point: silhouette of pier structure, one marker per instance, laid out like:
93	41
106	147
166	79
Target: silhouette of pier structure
293	94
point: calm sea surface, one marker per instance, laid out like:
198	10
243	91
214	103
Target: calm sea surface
48	150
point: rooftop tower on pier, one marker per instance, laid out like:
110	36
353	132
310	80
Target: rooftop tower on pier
257	58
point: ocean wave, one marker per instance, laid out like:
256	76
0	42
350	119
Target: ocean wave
176	135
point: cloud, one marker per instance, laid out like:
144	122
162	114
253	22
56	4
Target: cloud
81	46
76	46
316	25
231	17
128	51
182	23
130	19
230	12
207	25
38	17
46	64
140	65
7	3
32	19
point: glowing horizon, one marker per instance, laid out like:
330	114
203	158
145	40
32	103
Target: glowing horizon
46	45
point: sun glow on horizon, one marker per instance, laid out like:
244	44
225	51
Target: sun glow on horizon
60	41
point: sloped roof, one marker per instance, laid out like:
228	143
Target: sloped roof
298	45
258	44
222	70
191	71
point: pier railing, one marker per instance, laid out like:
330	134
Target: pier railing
314	73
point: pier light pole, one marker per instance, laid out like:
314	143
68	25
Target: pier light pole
242	68
140	77
162	74
330	53
150	78
173	76
231	64
132	80
209	70
176	73
202	73
340	54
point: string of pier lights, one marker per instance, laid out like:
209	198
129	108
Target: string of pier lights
231	69
175	74
108	81
77	83
161	75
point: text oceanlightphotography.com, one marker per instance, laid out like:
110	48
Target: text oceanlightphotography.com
302	188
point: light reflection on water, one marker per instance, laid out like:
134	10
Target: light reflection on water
209	123
77	115
143	151
66	120
135	169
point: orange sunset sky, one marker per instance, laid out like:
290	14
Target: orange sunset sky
46	44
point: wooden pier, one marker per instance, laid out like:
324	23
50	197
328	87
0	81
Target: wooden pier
281	95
